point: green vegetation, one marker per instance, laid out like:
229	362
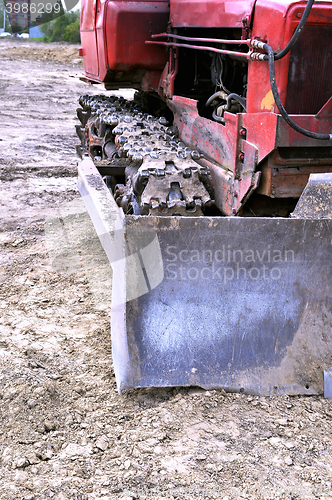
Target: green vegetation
56	11
15	28
65	27
72	32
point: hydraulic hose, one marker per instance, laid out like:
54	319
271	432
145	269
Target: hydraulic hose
217	118
227	98
278	102
220	94
227	106
237	98
297	32
271	57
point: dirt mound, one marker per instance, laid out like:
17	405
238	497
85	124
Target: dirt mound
25	49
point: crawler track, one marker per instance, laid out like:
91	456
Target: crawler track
155	173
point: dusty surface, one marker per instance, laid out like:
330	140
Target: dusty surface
65	433
19	48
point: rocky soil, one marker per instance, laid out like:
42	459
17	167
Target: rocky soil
65	432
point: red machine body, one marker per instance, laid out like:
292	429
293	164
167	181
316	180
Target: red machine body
113	35
187	50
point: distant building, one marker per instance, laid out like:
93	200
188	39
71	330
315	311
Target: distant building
35	32
19	12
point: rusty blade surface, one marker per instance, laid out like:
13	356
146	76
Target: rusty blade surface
316	200
242	304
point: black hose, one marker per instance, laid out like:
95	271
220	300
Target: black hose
271	57
237	98
217	118
278	102
297	32
212	98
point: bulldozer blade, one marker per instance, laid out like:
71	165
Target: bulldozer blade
242	304
316	200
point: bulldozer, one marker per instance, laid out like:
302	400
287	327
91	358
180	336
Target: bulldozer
210	190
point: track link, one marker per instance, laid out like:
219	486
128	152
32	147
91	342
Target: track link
161	174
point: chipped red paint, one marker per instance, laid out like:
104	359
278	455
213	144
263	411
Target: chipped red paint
221	152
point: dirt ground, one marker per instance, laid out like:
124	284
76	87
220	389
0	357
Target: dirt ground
18	48
65	432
